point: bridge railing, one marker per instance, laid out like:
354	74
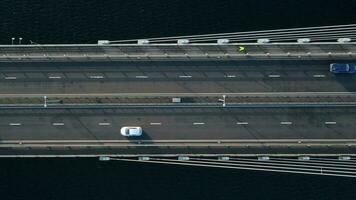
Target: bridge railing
188	51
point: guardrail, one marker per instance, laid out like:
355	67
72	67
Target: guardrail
180	105
174	51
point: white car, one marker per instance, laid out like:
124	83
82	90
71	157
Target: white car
131	131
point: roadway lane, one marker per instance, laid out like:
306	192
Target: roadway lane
172	77
179	123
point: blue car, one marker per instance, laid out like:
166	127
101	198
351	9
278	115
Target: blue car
342	68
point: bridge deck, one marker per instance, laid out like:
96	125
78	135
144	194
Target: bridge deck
61	70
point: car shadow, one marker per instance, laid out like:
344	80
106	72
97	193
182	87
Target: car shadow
145	138
347	81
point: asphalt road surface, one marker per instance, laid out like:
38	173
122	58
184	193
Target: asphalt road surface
209	76
173	124
179	123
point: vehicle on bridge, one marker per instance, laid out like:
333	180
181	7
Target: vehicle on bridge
131	131
342	68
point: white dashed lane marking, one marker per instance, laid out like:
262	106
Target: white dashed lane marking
141	76
286	123
155	123
15	124
58	124
318	75
185	76
10	78
54	77
97	77
104	124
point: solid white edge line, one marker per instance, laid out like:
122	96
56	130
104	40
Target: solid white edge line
178	94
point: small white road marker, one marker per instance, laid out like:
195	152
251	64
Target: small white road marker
104	124
10	78
15	124
330	122
141	76
55	77
274	76
286	123
198	123
58	124
185	76
319	76
242	123
156	123
97	77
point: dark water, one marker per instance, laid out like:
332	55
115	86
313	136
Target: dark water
85	21
91	179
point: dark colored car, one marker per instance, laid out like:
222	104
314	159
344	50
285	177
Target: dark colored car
342	68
